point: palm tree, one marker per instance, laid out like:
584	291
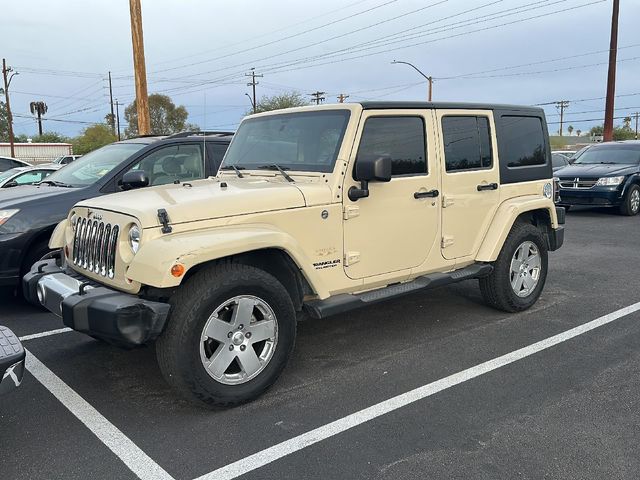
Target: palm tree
627	123
578	132
570	129
38	108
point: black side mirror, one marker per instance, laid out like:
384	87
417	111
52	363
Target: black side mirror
370	169
10	184
134	179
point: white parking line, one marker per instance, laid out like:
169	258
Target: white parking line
316	435
45	334
127	451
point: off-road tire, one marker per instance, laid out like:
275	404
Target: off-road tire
178	348
496	288
626	208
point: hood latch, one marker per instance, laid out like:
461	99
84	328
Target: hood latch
163	216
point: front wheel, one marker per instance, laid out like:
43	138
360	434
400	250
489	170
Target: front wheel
520	271
631	203
230	333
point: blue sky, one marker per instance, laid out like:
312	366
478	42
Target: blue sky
197	51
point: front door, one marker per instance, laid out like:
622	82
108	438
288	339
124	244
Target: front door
470	179
396	226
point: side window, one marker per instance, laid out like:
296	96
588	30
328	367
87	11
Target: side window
171	163
5	164
401	138
218	150
14	164
467	143
523	141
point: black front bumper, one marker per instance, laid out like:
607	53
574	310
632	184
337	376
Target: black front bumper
87	307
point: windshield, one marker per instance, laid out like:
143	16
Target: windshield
305	141
9	173
93	166
609	154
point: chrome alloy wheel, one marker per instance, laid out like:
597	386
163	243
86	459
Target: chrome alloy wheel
238	340
526	266
634	201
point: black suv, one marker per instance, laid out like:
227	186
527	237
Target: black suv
604	175
28	214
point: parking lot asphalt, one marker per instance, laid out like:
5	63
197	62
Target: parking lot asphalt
569	411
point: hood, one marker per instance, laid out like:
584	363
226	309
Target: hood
18	196
596	170
207	199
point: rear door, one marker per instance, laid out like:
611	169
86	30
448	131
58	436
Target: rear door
470	179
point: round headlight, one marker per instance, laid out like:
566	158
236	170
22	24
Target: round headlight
73	220
547	190
134	238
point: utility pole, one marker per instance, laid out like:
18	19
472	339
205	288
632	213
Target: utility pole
318	97
142	98
342	97
429	78
636	115
611	77
253	84
113	123
562	105
118	118
7	82
39	109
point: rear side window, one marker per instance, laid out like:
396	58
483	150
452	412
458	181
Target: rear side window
401	138
467	143
523	141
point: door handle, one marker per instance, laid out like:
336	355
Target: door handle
429	194
488	186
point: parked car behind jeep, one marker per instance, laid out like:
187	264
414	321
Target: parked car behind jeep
28	214
603	175
323	209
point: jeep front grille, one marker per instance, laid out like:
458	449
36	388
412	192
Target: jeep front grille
94	246
580	183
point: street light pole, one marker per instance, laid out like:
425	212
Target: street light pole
429	78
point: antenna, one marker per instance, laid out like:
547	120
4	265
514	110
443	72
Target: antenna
204	137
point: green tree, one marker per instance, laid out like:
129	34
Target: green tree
166	118
626	123
570	129
4	122
578	132
621	132
283	100
93	137
50	137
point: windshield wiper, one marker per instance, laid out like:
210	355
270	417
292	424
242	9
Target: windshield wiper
275	166
55	183
236	169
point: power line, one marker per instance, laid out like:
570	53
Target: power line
317	97
288	37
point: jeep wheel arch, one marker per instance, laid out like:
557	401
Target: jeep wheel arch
535	209
155	259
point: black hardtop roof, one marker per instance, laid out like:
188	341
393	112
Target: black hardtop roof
373	105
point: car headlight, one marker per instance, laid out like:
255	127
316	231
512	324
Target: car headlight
6	215
547	190
609	181
134	238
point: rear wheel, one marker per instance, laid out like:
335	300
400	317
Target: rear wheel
631	204
520	271
230	334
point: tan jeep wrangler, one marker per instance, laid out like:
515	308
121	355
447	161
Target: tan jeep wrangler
317	209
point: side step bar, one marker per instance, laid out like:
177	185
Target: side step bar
346	301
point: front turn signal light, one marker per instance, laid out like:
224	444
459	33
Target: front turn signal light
177	270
